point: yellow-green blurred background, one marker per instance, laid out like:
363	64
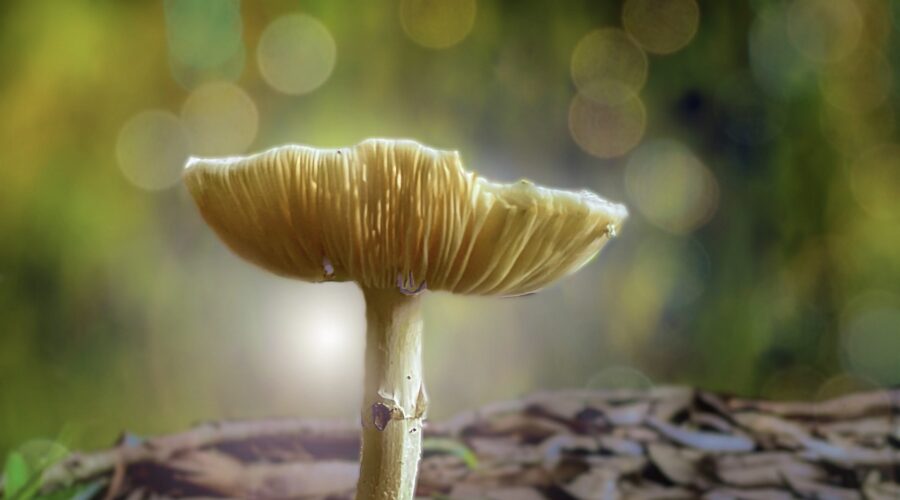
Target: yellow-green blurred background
754	141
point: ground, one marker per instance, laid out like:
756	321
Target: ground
664	443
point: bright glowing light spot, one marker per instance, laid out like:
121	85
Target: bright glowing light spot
437	24
324	337
870	337
619	377
607	129
875	181
671	187
296	54
220	118
323	332
824	30
608	66
151	149
661	26
858	83
777	65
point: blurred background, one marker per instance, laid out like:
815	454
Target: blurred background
754	141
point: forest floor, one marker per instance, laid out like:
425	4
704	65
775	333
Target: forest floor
663	443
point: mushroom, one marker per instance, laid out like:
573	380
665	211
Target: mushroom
398	218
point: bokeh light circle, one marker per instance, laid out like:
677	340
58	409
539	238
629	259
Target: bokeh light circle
859	82
609	129
824	30
317	331
221	119
152	148
437	24
875	181
870	337
661	26
671	187
608	66
296	54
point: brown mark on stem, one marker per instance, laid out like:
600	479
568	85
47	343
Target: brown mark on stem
381	415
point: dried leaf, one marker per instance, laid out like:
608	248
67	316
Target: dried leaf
702	440
813	489
875	488
674	464
552	449
625	415
620	446
597	484
765	469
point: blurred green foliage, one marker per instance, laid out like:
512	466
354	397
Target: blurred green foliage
762	256
24	469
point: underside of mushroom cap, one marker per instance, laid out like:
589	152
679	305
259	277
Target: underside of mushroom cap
388	212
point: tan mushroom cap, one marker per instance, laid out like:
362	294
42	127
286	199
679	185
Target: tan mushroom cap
390	211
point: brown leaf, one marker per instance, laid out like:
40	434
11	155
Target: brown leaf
438	473
596	484
674	463
875	488
814	489
552	450
764	469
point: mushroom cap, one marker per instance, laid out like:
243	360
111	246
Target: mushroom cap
388	213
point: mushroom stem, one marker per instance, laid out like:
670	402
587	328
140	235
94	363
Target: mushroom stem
394	400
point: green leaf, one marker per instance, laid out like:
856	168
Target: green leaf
25	467
453	447
16	473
